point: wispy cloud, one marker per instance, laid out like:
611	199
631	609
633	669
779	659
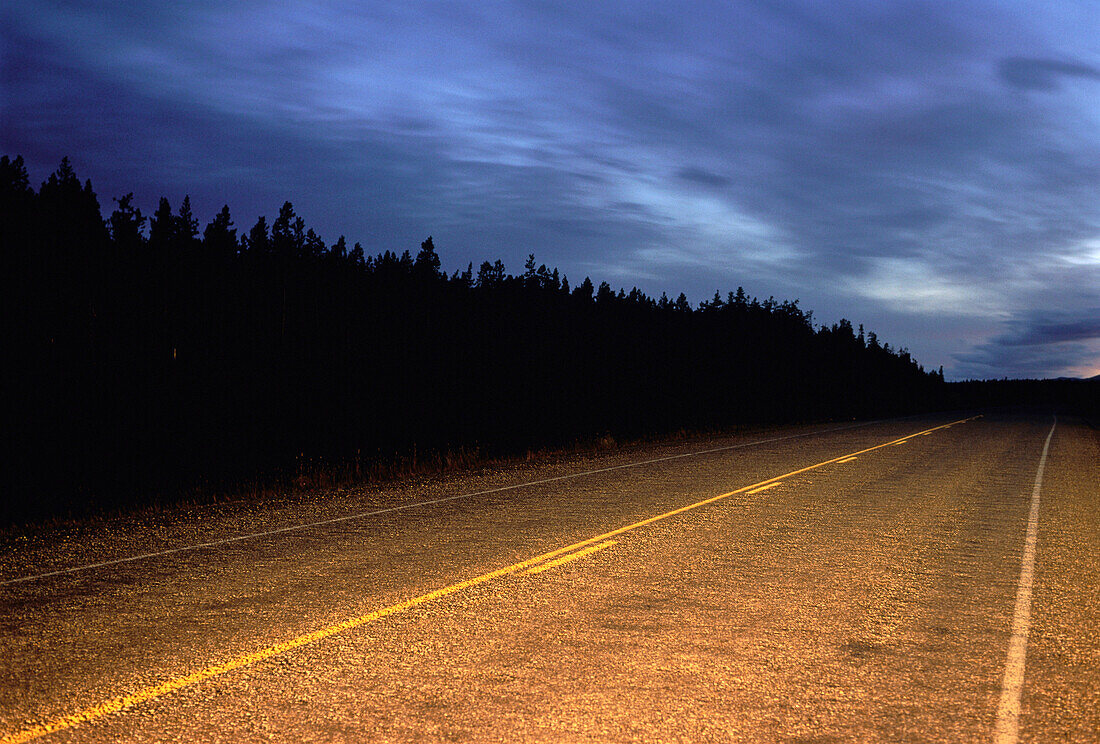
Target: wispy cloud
1043	74
929	169
1039	344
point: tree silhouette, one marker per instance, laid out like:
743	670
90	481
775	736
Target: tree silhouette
257	243
186	227
220	237
162	226
127	225
427	260
490	274
145	366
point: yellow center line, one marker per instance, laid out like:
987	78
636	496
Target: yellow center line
763	488
900	441
124	702
571	557
846	459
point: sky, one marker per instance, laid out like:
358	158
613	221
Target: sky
930	170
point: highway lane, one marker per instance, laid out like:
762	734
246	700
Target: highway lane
869	599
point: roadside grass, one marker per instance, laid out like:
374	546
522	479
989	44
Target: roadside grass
315	481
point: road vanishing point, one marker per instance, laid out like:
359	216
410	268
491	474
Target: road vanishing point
915	580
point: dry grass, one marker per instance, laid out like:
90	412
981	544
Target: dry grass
314	479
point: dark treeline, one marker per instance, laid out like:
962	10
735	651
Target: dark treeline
150	355
1061	396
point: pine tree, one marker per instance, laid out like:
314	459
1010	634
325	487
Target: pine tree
257	242
186	226
127	224
220	237
162	226
283	238
356	255
339	250
70	214
490	274
427	261
17	212
584	290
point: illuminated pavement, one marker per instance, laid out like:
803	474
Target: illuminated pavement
859	599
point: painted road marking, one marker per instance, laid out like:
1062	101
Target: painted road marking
376	512
903	441
1007	728
846	459
763	488
124	702
571	557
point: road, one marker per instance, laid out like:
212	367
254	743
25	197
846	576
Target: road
822	584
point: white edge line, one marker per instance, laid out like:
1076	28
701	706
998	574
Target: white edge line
1007	727
363	515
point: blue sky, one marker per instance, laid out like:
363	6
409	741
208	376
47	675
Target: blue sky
931	169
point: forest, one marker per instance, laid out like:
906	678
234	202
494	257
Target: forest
149	357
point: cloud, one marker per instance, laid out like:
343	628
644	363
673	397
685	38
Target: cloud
1044	330
989	361
912	286
702	176
1039	344
1027	73
992	361
860	156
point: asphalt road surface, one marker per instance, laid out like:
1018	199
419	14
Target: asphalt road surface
865	583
